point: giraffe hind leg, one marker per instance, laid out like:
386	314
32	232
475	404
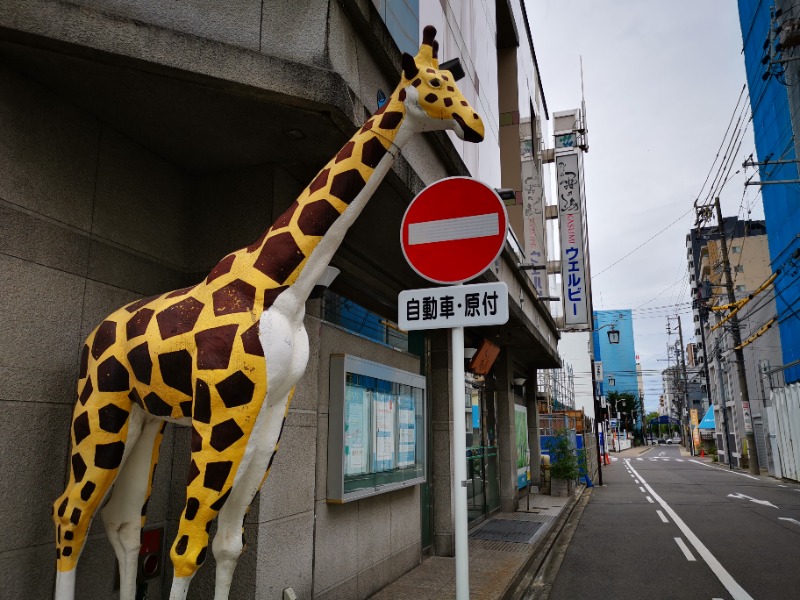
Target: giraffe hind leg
229	541
100	445
123	514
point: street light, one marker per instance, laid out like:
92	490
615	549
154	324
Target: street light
613	336
611	380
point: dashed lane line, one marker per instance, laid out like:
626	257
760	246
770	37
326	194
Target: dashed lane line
736	591
686	552
649	499
663	518
641	488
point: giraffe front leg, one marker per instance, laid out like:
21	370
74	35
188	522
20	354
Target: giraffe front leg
263	445
123	515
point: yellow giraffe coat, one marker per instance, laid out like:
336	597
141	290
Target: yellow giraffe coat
201	355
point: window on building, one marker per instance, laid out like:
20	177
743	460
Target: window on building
402	21
739	268
741	288
356	319
376	429
736	250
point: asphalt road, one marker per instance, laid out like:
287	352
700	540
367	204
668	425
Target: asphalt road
666	526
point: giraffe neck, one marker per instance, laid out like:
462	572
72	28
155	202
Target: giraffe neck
298	247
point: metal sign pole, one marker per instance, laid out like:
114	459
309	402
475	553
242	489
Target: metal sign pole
459	458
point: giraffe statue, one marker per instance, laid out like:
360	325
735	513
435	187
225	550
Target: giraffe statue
224	356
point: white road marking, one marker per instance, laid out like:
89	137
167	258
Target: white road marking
446	230
663	518
649	499
795	521
735	590
762	502
635	480
641	488
781	485
679	460
686	552
639	459
724	470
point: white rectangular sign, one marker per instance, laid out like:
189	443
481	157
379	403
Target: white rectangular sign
575	288
470	305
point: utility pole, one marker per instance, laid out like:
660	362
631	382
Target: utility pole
752	450
685	388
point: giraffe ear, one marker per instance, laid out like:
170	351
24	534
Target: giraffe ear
410	68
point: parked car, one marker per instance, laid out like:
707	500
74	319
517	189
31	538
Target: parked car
675	439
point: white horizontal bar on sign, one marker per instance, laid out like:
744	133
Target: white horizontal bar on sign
448	230
472	305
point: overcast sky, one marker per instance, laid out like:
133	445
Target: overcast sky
661	81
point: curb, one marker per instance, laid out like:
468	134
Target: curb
541	550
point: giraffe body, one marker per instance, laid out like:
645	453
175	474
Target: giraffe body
224	356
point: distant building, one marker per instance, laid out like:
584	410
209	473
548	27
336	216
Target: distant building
619	360
748	255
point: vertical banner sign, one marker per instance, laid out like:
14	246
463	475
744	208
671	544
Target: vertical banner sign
533	215
573	256
523	447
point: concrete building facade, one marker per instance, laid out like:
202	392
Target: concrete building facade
144	141
750	267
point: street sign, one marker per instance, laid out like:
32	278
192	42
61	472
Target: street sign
453	230
453	306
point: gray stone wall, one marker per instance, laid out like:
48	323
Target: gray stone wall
90	220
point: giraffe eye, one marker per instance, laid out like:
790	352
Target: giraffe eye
435	83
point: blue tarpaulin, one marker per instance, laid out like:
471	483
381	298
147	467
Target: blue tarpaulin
708	420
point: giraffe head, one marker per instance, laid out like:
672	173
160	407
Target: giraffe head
431	97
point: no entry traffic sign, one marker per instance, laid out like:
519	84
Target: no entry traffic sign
453	230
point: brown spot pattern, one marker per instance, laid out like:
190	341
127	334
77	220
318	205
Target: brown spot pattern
216	474
225	434
346	151
176	370
320	181
372	152
179	318
105	336
279	257
141	363
317	217
202	402
214	346
238	296
236	390
87	391
251	343
347	185
138	323
112	376
391	119
223	267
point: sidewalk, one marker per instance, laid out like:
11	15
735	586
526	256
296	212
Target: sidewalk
501	550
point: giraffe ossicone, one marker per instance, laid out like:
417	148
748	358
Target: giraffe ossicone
224	356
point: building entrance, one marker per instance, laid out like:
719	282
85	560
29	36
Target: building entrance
483	481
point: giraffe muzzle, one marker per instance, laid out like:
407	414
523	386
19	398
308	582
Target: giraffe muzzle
468	134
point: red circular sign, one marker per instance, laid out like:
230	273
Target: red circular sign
453	230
